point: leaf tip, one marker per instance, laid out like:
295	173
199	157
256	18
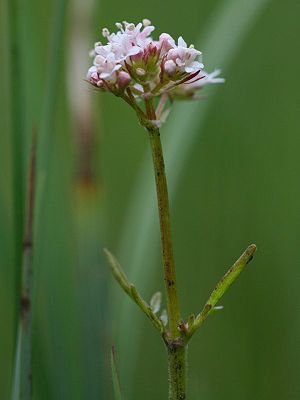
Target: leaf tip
252	248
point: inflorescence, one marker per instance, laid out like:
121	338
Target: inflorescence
132	61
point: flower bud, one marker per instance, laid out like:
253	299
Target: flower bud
123	79
170	67
140	71
130	27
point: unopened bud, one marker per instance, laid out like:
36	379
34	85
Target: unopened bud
123	79
140	71
170	67
130	27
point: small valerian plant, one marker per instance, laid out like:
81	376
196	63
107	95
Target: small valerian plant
150	75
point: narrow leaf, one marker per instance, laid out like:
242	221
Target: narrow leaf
222	286
231	275
131	290
164	317
155	302
117	272
144	306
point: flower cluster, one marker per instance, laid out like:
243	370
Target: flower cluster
132	60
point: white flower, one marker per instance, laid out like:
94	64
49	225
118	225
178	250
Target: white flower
102	50
107	67
130	40
184	57
165	43
92	74
138	37
205	79
211	78
122	46
189	89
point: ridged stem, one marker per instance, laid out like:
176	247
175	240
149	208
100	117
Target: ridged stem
176	348
165	229
177	365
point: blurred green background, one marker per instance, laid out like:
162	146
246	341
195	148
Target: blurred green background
233	166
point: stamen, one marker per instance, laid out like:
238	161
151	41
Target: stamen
146	22
140	71
105	32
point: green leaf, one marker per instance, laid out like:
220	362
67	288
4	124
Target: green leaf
130	289
222	286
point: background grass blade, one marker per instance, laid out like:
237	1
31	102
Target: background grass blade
89	272
56	48
115	377
230	24
23	366
17	120
48	132
237	182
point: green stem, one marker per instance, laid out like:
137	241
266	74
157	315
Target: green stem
176	348
165	229
177	371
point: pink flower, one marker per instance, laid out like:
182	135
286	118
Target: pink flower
123	80
107	67
208	79
189	89
165	43
130	40
92	75
184	57
132	60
